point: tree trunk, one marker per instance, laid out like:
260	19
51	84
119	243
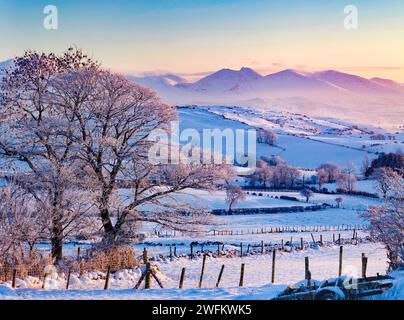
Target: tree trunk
229	212
109	230
57	239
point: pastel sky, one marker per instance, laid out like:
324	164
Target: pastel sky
193	37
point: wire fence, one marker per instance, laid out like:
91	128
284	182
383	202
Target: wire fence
148	272
264	230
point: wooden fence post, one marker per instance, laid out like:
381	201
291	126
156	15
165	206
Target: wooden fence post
308	279
182	278
341	249
147	276
312	237
273	265
68	280
192	251
241	283
145	255
301	244
364	265
14	278
262	246
171	253
306	267
220	276
78	253
44	280
107	278
202	271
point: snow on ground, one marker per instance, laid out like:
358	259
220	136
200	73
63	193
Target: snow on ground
304	141
307	218
161	246
349	202
217	200
396	292
299	145
297	151
289	270
361	185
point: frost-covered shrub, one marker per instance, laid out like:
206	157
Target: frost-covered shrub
387	222
100	258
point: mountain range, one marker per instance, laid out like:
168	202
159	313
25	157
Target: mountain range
232	85
328	93
246	83
324	93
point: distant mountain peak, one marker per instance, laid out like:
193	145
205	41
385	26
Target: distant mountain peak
225	79
287	72
353	83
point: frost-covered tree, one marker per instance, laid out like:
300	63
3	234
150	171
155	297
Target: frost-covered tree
234	194
31	143
113	122
382	177
267	137
263	174
284	176
387	222
339	200
330	172
322	177
347	179
12	207
23	222
392	160
273	161
307	193
366	164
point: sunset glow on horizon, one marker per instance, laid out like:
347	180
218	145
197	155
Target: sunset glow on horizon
192	38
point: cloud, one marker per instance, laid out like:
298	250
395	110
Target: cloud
374	68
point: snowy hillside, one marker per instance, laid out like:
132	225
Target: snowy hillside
304	141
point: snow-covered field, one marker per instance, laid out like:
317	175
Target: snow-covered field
217	200
257	281
296	150
304	141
